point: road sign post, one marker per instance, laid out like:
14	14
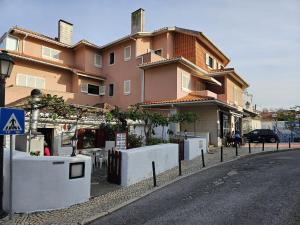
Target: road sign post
12	122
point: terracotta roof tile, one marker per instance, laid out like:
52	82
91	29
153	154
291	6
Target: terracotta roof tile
191	97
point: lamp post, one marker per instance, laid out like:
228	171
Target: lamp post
6	65
74	141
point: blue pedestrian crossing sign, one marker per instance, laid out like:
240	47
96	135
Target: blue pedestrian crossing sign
12	121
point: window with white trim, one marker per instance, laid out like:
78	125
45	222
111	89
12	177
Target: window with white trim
210	61
185	82
10	43
127	53
30	81
92	89
98	60
127	87
50	53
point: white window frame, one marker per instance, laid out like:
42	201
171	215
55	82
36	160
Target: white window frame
128	57
95	60
109	59
188	77
51	52
26	81
6	39
127	85
84	88
207	56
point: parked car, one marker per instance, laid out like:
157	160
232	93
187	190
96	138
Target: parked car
260	135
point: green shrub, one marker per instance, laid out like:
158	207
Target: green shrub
154	141
135	141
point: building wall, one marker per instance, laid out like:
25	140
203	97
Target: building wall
161	83
184	45
57	82
207	121
119	72
230	84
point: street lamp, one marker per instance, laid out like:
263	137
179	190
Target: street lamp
74	141
6	66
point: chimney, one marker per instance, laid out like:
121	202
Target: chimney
137	21
65	32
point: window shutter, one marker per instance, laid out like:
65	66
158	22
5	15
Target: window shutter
127	53
102	90
214	64
207	59
126	87
84	88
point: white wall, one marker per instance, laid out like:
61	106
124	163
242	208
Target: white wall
193	146
136	163
40	185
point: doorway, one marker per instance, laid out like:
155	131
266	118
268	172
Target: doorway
48	137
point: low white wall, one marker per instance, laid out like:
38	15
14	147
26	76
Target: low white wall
42	183
193	146
136	163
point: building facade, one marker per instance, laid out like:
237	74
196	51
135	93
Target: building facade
171	69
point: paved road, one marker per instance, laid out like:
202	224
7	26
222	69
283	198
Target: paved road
259	190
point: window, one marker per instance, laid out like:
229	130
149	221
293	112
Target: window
185	82
126	87
158	52
209	61
111	90
30	81
127	53
92	89
111	58
97	60
10	43
50	53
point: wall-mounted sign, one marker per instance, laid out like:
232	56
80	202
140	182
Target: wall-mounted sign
12	121
76	170
121	141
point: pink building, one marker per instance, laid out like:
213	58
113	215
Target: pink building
171	69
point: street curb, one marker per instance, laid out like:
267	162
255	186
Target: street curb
102	214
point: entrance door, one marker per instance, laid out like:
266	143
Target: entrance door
48	137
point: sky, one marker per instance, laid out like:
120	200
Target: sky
261	37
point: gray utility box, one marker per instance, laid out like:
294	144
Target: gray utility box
36	144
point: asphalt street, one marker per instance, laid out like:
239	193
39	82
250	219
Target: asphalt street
259	190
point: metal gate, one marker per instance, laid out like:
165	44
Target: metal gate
114	167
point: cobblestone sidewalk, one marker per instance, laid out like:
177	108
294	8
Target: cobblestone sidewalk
81	212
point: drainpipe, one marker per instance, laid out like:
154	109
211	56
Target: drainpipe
23	44
34	114
143	83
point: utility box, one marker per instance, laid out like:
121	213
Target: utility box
33	145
